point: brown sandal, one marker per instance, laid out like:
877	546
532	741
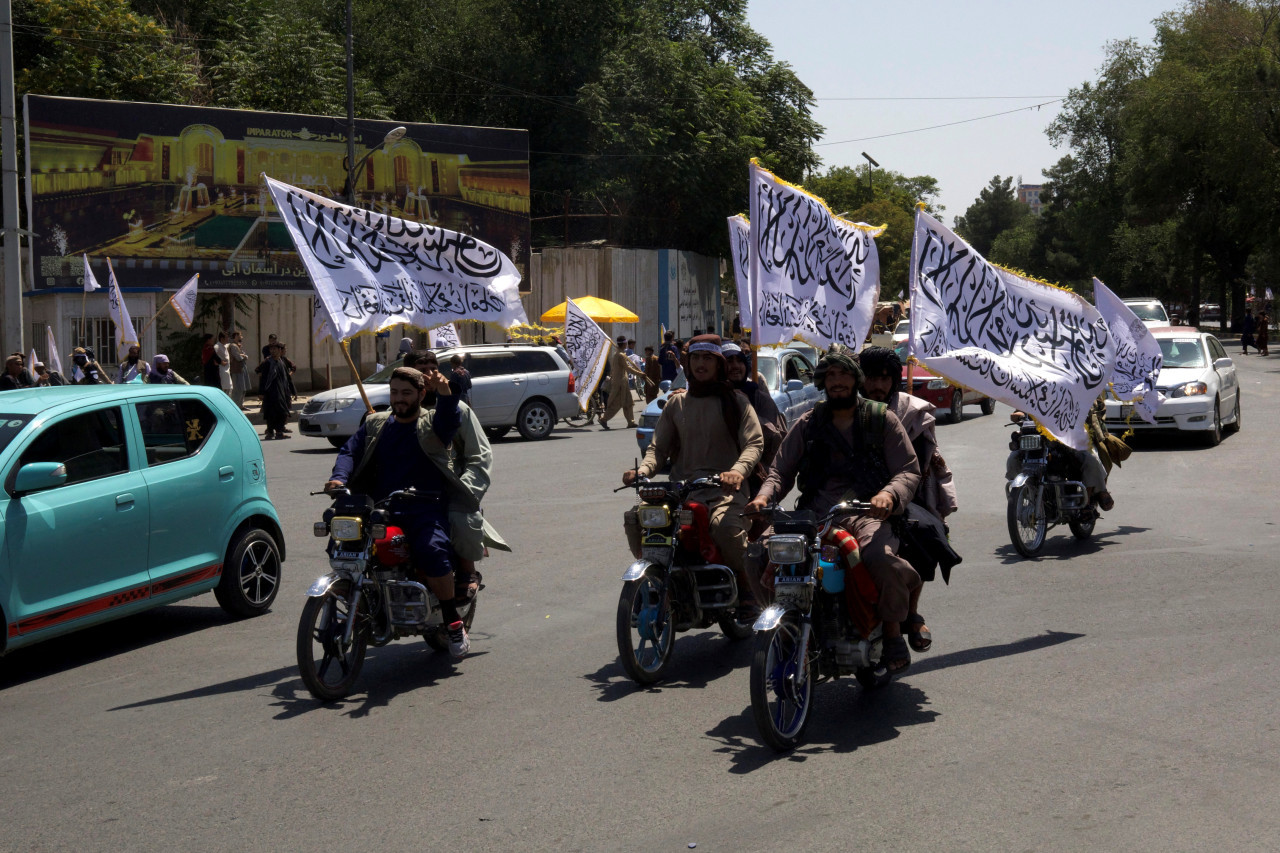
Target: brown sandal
918	635
895	659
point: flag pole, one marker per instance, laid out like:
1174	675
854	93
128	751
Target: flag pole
153	318
356	373
83	294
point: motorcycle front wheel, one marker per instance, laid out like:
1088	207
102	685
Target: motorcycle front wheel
781	686
646	634
1027	524
330	667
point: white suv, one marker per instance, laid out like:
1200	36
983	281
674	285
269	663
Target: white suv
1149	310
518	385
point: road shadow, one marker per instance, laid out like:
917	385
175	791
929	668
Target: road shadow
101	642
1156	441
325	450
696	661
1064	546
985	653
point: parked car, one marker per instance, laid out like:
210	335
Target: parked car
120	498
1150	311
788	374
949	399
901	332
1199	384
518	385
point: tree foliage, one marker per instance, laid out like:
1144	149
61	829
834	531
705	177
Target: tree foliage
996	210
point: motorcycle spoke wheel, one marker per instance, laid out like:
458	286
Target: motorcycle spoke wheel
781	686
1027	522
1082	526
737	624
646	634
330	667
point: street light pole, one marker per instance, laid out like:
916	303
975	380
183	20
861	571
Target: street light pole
351	115
870	163
12	278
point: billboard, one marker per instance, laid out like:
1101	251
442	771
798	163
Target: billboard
166	191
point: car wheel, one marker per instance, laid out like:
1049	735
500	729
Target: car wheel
988	406
1234	426
1213	436
334	441
536	419
497	432
250	575
956	413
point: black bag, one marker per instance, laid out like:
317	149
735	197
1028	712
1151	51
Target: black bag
923	543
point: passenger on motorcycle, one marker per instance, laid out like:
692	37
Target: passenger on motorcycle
408	447
1094	463
711	431
772	423
845	449
882	375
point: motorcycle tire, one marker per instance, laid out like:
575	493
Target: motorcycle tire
1082	529
439	641
645	650
322	623
736	628
872	677
1028	539
780	705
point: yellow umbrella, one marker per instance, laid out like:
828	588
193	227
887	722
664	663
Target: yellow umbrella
600	310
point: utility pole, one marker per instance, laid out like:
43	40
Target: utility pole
9	187
351	115
870	162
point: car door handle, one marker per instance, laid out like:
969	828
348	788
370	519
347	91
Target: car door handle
226	472
124	501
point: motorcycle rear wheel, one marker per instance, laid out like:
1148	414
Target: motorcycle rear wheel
320	629
781	686
736	627
1027	523
1082	529
646	632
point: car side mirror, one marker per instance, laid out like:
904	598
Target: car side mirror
38	476
1222	364
794	385
664	385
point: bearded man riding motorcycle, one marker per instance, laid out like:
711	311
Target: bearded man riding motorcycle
711	431
409	447
847	448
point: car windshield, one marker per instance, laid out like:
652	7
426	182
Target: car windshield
10	426
1182	352
383	376
1149	311
768	367
903	327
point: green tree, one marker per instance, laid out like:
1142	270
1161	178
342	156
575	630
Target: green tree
893	246
995	210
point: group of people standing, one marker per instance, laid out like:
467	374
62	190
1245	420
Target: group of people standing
1254	332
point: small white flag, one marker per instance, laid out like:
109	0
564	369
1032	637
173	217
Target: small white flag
588	348
740	248
77	375
55	360
90	283
31	362
443	336
1268	294
1138	354
126	335
184	301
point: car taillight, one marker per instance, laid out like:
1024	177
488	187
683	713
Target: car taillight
571	382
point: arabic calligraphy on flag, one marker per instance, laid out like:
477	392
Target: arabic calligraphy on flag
443	336
1138	355
813	275
1039	348
740	249
184	301
126	335
372	271
588	348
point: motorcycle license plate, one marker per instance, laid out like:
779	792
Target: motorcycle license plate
346	555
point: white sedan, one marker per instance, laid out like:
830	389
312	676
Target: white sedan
1198	380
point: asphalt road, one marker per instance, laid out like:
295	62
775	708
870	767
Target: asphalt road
1115	694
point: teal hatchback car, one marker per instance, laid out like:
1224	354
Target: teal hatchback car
119	498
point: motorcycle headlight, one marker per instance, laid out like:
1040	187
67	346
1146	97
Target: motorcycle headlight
345	529
786	550
654	516
1030	442
1191	389
937	384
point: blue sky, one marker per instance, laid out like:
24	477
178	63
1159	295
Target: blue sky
1009	54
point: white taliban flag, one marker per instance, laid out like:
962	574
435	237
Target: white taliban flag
184	301
126	335
90	283
740	248
55	360
372	271
588	348
32	361
1039	348
1138	355
814	275
443	336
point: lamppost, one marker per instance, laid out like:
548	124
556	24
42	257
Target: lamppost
393	135
870	162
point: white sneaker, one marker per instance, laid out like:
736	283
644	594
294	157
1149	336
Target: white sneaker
459	642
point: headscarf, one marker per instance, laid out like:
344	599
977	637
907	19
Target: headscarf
718	387
159	359
841	360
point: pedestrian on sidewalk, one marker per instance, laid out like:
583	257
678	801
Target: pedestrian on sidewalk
275	393
239	368
619	391
1246	329
1264	322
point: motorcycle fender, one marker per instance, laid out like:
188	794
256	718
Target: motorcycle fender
1019	481
636	570
321	586
770	618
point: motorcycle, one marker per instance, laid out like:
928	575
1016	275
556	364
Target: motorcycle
821	626
1046	492
367	598
678	583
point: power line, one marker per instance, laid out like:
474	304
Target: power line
937	126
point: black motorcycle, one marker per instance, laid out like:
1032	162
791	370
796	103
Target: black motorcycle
1048	491
367	598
